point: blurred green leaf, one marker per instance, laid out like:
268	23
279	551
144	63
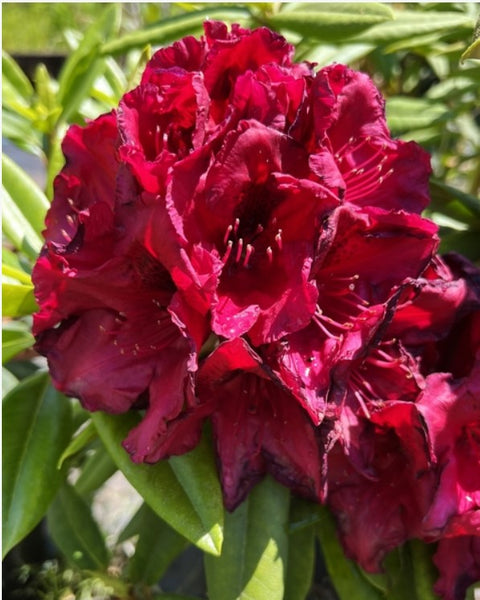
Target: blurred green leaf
75	532
405	114
16	77
301	551
15	338
28	197
17	300
424	572
473	51
344	573
255	550
173	28
159	486
84	65
464	242
17	228
453	202
20	132
409	23
78	442
9	381
36	429
98	467
157	545
330	21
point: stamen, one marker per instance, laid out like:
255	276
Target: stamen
249	251
227	234
227	252
65	235
236	225
239	250
70	220
278	239
269	252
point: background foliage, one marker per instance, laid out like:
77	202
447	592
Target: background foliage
57	459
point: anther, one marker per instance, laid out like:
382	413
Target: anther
65	235
70	220
236	225
269	252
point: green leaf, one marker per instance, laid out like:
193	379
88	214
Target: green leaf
16	77
424	572
344	573
330	21
173	28
162	491
405	113
254	556
453	202
463	242
78	442
84	65
9	381
36	429
15	338
97	469
409	23
28	197
17	300
473	51
301	551
21	133
157	545
75	532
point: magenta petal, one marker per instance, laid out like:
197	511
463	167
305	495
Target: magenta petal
458	561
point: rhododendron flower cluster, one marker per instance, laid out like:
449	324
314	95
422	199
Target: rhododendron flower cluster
241	242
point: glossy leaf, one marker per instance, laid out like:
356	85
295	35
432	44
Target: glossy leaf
78	442
15	338
255	551
36	429
301	551
330	21
344	573
162	490
173	28
157	545
75	532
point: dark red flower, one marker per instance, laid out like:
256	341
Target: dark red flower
380	510
458	561
241	241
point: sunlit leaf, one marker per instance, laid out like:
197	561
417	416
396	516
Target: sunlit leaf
255	551
161	489
78	442
330	21
173	28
